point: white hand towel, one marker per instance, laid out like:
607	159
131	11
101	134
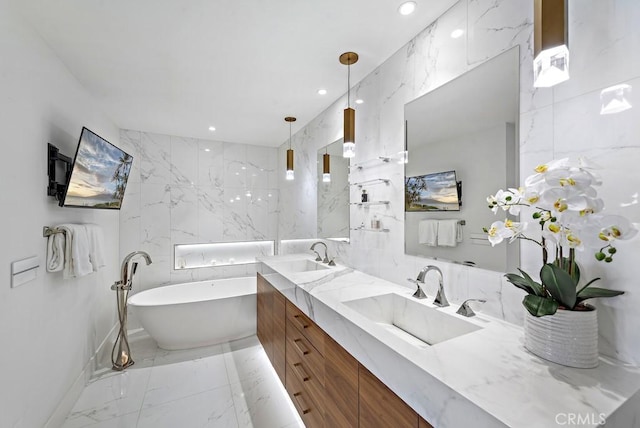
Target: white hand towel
428	232
94	233
448	233
76	260
55	252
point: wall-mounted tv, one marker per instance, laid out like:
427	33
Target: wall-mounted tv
433	192
99	174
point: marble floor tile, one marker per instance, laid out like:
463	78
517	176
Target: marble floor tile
111	396
228	385
169	382
210	409
124	421
262	402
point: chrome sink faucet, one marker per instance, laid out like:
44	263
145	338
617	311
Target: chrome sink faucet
441	298
320	259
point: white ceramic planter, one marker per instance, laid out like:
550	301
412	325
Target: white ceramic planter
569	338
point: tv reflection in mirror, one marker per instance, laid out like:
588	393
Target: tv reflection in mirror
99	175
432	192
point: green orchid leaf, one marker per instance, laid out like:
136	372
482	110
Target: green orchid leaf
540	306
588	284
520	282
592	292
560	285
536	287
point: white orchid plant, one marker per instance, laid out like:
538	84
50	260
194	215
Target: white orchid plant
567	208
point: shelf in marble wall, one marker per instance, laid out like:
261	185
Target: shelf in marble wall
364	229
371	182
192	256
366	204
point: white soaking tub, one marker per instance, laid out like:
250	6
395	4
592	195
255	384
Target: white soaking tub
194	314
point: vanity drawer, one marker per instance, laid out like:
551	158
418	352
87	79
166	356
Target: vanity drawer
306	326
303	400
300	350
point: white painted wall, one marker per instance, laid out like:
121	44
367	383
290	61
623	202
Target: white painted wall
49	328
557	122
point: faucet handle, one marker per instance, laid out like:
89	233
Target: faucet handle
441	299
466	310
331	262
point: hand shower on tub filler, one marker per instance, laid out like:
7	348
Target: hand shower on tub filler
121	352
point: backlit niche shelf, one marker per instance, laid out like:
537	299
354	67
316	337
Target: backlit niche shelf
371	182
366	204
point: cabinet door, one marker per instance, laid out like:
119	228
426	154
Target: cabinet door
264	300
279	337
380	407
341	386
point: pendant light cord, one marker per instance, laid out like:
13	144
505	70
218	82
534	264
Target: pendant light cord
289	135
349	85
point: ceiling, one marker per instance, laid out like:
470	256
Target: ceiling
178	67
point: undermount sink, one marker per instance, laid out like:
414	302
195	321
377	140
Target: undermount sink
411	320
295	266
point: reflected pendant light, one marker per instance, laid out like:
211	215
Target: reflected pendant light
326	167
289	173
349	142
550	43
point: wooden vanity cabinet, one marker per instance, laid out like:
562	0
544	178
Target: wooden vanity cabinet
380	407
327	385
271	313
341	386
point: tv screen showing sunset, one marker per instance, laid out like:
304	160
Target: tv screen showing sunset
99	175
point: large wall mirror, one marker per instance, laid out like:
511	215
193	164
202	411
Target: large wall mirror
462	140
333	193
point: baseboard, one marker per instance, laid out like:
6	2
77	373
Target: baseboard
65	406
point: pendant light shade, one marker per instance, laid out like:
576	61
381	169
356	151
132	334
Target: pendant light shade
326	168
289	174
349	141
550	44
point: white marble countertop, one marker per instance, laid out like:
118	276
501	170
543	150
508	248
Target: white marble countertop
485	378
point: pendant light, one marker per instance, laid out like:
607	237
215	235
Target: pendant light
550	43
349	143
326	167
289	173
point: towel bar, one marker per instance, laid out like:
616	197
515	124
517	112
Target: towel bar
48	231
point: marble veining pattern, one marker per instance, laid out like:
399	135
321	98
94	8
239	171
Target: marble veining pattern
481	378
185	191
221	386
554	123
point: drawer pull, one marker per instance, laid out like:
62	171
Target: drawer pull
301	322
303	407
300	346
302	374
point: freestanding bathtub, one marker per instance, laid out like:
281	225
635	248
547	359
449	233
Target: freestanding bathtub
197	314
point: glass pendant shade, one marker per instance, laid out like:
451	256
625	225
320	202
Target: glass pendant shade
550	44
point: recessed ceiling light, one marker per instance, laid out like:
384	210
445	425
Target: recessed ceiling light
407	8
359	101
322	92
212	128
457	33
207	150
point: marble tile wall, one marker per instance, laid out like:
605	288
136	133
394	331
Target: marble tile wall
187	191
554	122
